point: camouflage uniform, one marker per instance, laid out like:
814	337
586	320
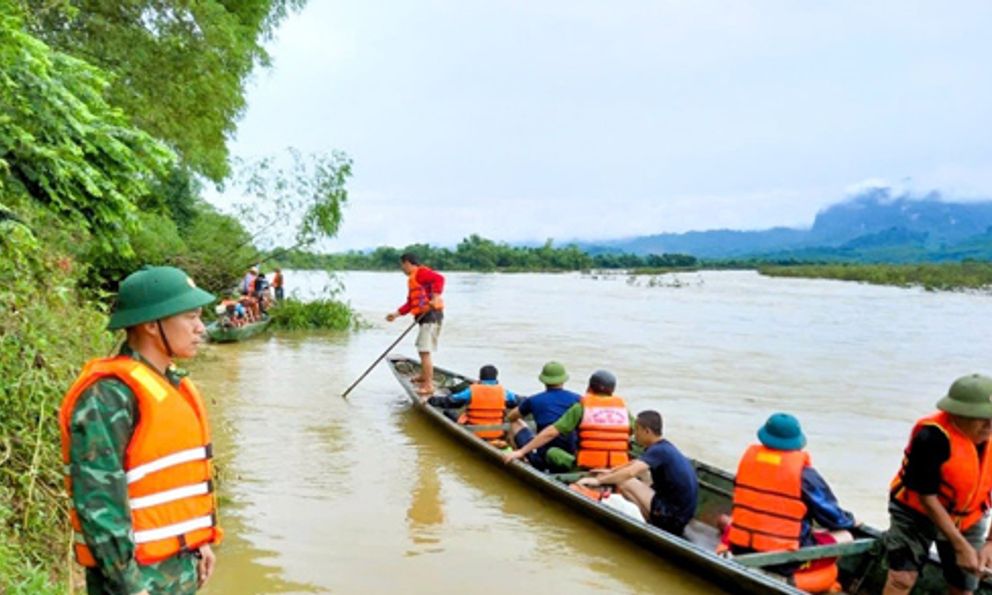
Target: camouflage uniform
101	427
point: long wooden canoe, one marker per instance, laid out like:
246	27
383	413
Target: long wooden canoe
862	563
229	334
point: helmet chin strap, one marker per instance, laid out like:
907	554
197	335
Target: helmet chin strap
165	339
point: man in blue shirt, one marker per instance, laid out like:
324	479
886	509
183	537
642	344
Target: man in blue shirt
670	502
546	408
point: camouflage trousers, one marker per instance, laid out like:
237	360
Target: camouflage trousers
175	575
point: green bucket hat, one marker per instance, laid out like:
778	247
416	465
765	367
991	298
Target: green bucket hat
969	396
553	373
782	432
153	293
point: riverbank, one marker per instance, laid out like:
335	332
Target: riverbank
932	277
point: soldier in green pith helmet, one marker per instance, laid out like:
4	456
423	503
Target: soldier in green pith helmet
136	446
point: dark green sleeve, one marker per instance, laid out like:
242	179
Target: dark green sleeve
101	427
570	420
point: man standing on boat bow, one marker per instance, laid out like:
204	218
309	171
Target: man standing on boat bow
424	288
136	448
941	493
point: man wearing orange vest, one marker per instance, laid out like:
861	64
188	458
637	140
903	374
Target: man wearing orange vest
603	422
941	492
423	301
136	448
486	403
777	496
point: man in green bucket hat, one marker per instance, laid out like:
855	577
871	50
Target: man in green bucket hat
545	408
136	447
941	492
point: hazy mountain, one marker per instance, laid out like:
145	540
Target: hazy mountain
872	226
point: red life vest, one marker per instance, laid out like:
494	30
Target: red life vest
167	463
486	407
277	280
418	297
604	432
965	478
768	509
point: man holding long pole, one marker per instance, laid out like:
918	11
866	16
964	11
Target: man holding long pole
424	288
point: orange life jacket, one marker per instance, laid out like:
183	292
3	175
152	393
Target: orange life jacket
418	297
485	408
965	478
604	432
768	509
277	280
167	463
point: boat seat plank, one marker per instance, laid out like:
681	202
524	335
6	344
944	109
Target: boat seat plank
761	560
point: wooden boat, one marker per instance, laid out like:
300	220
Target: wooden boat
861	562
229	334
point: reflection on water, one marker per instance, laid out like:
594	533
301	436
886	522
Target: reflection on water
363	496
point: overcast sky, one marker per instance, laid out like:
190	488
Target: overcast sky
523	120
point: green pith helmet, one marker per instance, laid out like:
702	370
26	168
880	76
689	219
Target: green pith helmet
969	396
153	293
553	373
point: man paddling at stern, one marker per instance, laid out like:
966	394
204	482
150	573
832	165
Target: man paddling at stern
941	493
136	448
424	288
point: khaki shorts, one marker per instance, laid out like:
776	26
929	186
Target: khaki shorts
427	337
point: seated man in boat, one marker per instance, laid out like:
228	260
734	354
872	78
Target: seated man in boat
546	407
485	404
777	497
941	493
604	425
670	502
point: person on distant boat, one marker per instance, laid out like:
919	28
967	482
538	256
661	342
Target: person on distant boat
546	408
485	401
777	497
670	502
277	284
248	282
259	293
941	493
603	422
424	288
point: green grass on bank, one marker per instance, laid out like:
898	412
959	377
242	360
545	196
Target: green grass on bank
968	275
325	313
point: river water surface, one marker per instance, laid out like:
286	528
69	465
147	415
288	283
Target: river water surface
363	496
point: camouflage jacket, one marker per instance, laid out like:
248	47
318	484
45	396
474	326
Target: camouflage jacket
101	427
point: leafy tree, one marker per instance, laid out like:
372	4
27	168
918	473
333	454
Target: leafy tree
304	201
63	146
179	67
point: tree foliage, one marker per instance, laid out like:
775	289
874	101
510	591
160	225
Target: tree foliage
476	253
303	201
179	67
64	146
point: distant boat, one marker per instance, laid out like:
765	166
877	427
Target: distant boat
219	333
862	562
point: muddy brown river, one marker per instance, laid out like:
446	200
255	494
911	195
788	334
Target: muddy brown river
323	495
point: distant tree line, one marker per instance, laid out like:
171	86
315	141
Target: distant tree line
476	253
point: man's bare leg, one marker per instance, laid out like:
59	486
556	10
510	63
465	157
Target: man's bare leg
899	582
427	373
639	493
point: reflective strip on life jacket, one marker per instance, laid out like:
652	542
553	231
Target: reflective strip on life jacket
170	495
486	407
177	458
965	478
604	432
768	510
175	530
166	464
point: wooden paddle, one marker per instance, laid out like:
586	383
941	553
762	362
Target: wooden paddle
344	395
